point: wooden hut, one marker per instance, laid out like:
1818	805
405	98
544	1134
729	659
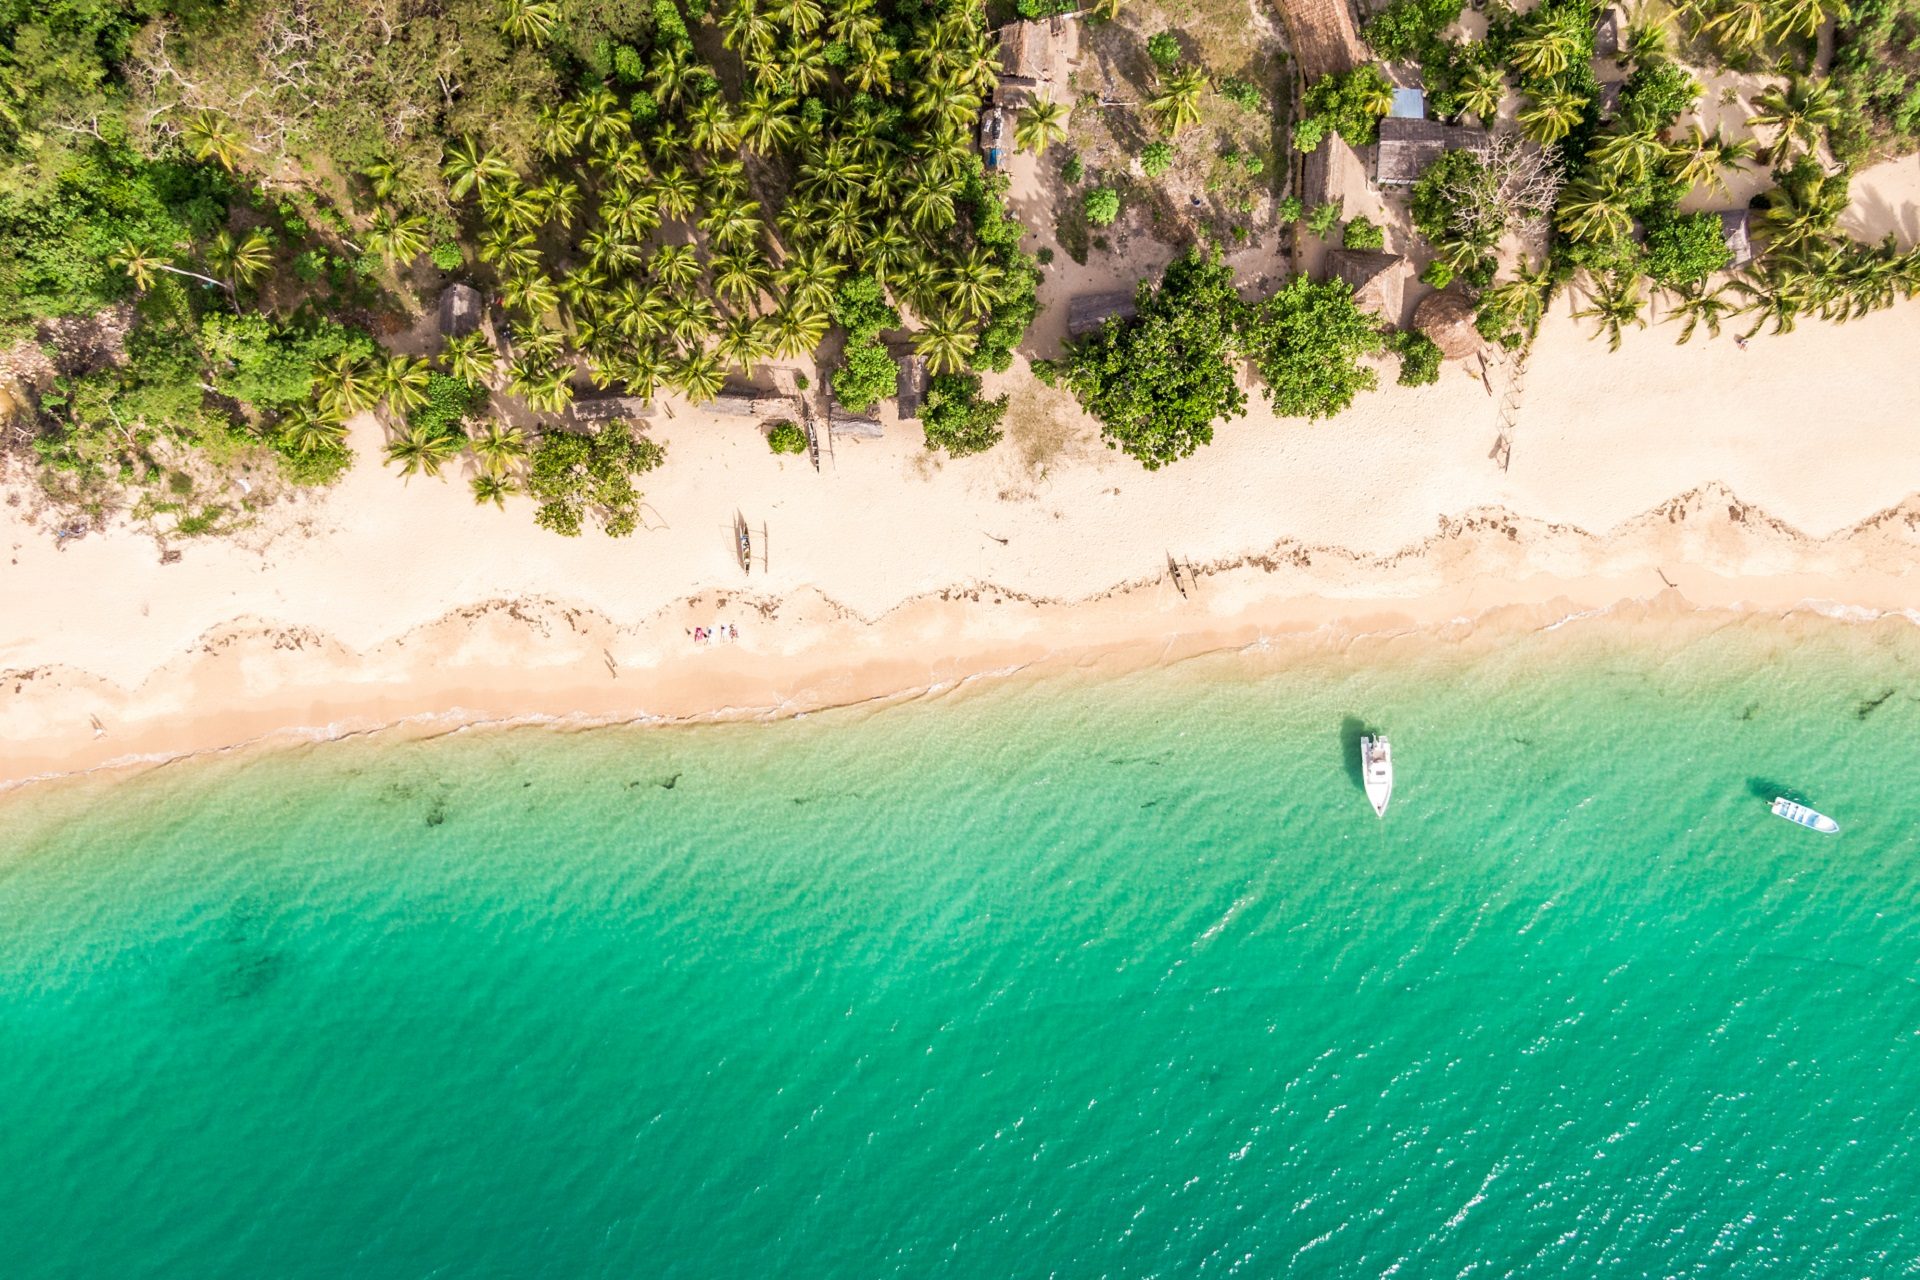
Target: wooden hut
1378	280
1448	319
1089	311
1609	33
1736	229
842	425
1407	147
1033	55
1334	174
460	310
611	408
741	404
913	383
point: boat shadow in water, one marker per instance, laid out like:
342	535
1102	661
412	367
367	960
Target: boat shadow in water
1352	729
1767	789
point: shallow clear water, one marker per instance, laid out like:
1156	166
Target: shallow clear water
1077	979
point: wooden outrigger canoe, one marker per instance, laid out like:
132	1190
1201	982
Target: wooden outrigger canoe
742	543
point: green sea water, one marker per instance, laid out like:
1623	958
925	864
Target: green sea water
1075	978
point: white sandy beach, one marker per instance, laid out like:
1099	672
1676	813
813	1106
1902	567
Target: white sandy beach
1779	475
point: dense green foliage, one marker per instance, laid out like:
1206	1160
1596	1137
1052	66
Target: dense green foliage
956	418
1156	158
866	376
786	437
1347	103
1306	341
1457	200
1362	233
1419	358
1102	206
1159	381
1876	68
1685	249
1408	30
577	478
1164	49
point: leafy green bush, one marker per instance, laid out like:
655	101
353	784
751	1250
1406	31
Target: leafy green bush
1439	273
1156	159
1240	93
1658	93
447	257
1323	218
1686	249
866	376
1073	170
785	437
1159	381
1290	209
1102	206
1419	358
1361	233
1876	68
450	401
576	477
954	417
1407	29
1307	341
1457	200
272	366
860	307
1164	49
1347	103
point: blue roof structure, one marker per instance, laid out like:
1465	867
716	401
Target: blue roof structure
1409	104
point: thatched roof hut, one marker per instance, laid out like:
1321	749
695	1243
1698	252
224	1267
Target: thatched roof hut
1378	280
742	404
610	408
1736	229
1407	147
1035	54
460	310
1447	317
1088	311
1335	174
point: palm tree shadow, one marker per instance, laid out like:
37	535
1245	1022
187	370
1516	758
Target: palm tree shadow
1352	729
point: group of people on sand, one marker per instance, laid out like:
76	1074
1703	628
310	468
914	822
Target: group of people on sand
718	631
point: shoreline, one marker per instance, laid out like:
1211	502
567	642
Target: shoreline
257	685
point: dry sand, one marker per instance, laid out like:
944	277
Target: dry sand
1781	476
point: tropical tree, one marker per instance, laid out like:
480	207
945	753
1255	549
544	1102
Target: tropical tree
1551	115
470	358
489	487
243	260
1591	212
1616	303
1178	102
402	381
469	166
1702	159
699	376
946	344
140	263
1545	51
497	447
212	137
1797	113
1776	293
528	21
1697	305
308	432
1040	124
397	237
1807	204
423	448
1482	90
345	385
1628	156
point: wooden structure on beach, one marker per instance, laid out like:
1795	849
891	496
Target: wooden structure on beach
1035	56
1322	36
1378	280
1407	147
1087	312
1447	319
913	383
1609	33
611	408
461	308
1736	228
842	425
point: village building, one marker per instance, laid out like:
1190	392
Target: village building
1407	147
1087	312
460	310
1448	319
1378	280
1737	230
1036	58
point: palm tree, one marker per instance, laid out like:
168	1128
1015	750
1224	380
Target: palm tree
1775	292
140	263
1178	102
699	376
211	137
1700	159
384	177
766	120
559	199
603	121
241	261
470	358
1807	204
1040	124
739	277
1105	10
508	251
929	205
1544	52
711	126
530	293
345	385
971	285
468	166
308	432
1616	303
676	190
1803	17
797	329
1740	25
1629	155
744	341
1592	213
419	448
1552	115
800	16
675	265
690	320
1697	305
1799	112
747	30
946	344
805	66
488	487
397	238
528	21
872	70
403	382
1518	305
497	447
643	371
558	131
733	224
809	277
1482	90
548	390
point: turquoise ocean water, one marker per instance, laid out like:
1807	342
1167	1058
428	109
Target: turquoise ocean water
1067	978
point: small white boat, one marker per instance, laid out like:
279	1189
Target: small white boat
1376	772
1800	815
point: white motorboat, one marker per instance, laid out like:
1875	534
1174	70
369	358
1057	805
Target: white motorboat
1376	772
1800	815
